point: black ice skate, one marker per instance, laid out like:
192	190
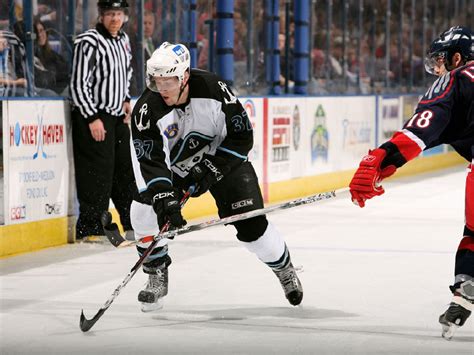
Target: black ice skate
459	309
290	283
156	288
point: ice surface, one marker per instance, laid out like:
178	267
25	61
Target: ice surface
375	281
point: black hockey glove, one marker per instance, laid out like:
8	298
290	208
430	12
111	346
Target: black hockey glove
166	205
207	172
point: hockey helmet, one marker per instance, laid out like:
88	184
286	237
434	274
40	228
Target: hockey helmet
169	60
112	4
457	39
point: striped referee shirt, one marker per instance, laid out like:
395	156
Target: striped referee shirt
101	72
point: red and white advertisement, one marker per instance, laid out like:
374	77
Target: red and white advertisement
36	171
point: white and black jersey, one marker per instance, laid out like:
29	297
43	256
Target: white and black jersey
170	140
101	72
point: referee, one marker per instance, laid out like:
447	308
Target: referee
101	73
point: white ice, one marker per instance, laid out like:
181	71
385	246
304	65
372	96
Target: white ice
375	281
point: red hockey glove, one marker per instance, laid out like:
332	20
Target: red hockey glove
365	183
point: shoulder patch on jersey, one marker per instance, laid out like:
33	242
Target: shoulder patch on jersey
140	119
205	84
231	98
171	131
440	88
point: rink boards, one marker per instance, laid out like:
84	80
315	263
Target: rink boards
302	145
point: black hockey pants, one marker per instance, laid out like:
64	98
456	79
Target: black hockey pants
239	192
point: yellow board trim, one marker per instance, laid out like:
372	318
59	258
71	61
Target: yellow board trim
305	186
27	237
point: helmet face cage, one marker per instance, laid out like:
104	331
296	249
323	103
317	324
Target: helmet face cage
455	40
169	60
435	60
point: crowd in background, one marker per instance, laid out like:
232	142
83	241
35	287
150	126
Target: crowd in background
357	46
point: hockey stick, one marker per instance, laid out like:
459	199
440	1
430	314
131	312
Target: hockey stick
118	241
86	324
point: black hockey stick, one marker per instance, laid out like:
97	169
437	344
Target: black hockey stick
86	324
114	236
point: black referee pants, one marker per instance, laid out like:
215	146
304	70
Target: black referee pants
103	171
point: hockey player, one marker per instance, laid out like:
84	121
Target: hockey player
188	128
445	114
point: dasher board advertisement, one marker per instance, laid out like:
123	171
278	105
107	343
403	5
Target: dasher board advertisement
254	109
285	138
37	164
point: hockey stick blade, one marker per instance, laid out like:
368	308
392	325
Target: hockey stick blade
226	220
86	324
106	219
111	230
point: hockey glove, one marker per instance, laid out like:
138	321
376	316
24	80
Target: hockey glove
365	183
207	172
166	205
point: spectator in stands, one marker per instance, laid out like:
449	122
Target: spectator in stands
56	67
283	62
13	68
12	78
240	38
42	83
149	44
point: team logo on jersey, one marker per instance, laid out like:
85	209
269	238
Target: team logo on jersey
232	98
143	111
189	151
193	143
171	131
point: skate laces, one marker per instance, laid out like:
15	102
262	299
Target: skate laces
156	282
288	278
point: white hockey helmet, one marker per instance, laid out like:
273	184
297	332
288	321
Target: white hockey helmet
168	60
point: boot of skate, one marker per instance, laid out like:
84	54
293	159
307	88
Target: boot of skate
290	283
151	297
459	309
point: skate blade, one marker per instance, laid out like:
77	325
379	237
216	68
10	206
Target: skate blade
152	307
449	330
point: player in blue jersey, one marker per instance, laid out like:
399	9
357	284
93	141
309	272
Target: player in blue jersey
445	115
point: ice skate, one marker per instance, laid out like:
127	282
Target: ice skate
459	309
151	297
290	283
